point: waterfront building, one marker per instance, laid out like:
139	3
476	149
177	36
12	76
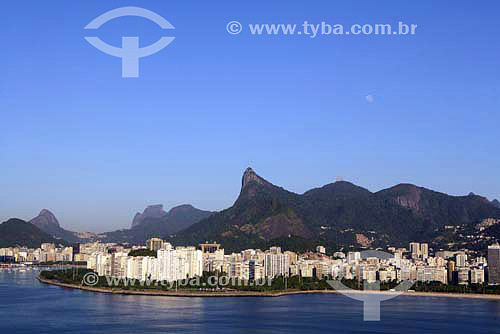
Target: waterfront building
213	261
190	262
168	263
368	273
494	264
276	263
451	271
463	276
477	276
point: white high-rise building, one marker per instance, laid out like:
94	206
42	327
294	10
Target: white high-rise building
149	268
190	262
168	264
415	250
276	263
134	267
424	251
477	276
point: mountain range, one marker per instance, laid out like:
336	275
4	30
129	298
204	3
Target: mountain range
155	222
16	232
152	222
337	214
47	222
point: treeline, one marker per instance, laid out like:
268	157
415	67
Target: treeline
215	281
142	252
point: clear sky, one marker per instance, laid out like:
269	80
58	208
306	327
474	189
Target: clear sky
94	148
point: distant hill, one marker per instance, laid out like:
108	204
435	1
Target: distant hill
154	222
438	208
338	190
47	222
17	232
496	203
338	214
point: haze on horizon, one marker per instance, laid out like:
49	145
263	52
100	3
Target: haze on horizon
95	148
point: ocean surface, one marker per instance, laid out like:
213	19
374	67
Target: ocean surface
27	306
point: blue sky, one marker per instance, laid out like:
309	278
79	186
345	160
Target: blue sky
93	147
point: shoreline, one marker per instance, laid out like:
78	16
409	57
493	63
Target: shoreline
208	294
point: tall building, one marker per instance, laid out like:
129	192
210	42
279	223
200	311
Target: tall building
213	261
451	271
415	250
276	263
190	262
424	251
256	270
168	264
477	276
463	276
494	264
155	244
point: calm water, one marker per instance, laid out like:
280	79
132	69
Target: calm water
26	306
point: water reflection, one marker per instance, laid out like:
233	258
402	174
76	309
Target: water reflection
28	306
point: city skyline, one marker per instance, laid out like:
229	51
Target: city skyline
160	261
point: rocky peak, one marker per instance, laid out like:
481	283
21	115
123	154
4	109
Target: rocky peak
406	195
496	203
152	211
251	176
181	208
45	218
